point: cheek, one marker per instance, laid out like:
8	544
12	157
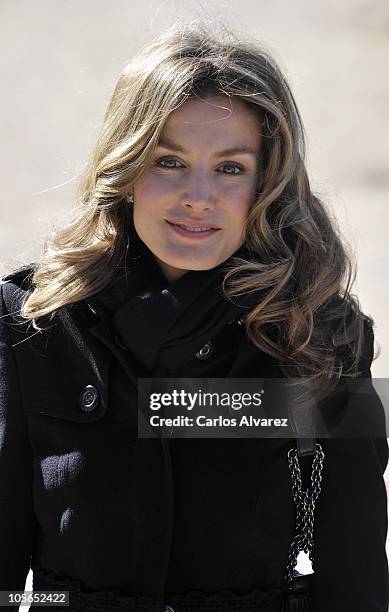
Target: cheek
239	197
238	209
150	189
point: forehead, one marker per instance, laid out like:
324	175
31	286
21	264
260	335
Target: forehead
212	120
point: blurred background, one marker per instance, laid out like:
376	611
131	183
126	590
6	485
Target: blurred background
60	62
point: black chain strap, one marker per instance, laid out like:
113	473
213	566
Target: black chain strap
305	501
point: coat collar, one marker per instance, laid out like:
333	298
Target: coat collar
162	324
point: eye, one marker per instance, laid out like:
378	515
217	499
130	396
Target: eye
234	166
169	160
237	169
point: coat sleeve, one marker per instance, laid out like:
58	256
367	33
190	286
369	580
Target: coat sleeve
16	507
350	562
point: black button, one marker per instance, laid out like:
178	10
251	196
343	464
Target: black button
206	351
89	398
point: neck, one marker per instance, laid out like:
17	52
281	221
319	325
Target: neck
171	274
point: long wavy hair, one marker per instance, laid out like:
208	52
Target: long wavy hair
307	318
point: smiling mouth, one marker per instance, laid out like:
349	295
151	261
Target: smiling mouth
193	232
194	228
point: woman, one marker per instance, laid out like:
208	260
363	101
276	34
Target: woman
197	250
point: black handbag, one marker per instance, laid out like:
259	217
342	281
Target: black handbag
306	487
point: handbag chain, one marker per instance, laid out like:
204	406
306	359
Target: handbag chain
305	501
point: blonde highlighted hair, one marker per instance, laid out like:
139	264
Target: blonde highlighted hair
307	319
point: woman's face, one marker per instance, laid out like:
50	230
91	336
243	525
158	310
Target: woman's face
203	174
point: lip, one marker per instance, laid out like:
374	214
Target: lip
192	223
192	235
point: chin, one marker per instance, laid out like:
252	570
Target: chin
192	264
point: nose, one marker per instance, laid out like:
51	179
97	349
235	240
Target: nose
198	196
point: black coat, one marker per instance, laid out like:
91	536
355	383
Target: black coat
149	522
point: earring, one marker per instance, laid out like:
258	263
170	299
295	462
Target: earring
130	199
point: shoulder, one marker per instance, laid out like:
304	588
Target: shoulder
16	285
15	288
352	332
20	274
368	340
367	346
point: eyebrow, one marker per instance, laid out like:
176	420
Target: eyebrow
174	146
